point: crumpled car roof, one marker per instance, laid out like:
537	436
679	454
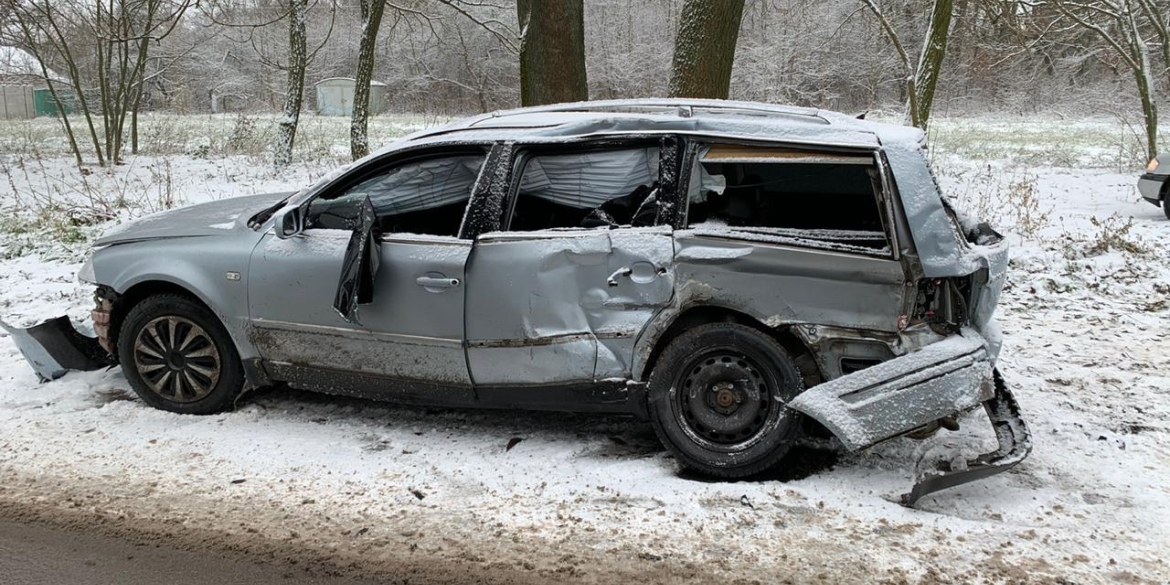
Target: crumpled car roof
940	249
745	120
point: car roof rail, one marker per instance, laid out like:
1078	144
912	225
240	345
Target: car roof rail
685	108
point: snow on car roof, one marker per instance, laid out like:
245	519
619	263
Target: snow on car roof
733	119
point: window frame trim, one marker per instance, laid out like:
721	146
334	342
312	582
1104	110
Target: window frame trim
380	163
524	151
884	195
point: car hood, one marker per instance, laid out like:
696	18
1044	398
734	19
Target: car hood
215	218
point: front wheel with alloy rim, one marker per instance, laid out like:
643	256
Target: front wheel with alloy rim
718	400
178	357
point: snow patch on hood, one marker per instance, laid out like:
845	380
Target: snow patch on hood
206	219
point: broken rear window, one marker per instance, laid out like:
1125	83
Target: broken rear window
587	189
810	196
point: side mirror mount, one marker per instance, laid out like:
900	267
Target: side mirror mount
289	222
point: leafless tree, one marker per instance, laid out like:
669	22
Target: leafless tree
294	95
371	12
105	44
921	78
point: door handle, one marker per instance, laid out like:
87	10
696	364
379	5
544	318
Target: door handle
620	272
639	272
436	282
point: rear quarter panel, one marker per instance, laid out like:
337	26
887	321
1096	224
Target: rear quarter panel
780	285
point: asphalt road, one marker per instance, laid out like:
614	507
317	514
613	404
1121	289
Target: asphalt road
41	555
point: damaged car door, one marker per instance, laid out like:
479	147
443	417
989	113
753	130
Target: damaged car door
409	327
558	296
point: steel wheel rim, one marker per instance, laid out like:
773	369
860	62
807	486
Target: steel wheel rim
177	359
701	392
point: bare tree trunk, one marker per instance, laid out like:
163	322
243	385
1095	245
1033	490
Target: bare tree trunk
298	55
359	140
704	49
1149	112
934	48
62	47
30	42
552	51
921	80
1143	74
140	76
1158	22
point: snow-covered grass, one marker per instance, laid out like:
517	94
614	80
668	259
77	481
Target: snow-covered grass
1031	142
369	487
319	138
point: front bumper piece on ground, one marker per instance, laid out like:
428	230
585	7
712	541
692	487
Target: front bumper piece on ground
916	390
1150	187
54	347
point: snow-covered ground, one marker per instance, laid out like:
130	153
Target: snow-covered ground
437	494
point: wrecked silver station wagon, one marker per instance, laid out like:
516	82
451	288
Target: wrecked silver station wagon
739	274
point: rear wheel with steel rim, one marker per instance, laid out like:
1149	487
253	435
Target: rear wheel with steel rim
718	400
178	357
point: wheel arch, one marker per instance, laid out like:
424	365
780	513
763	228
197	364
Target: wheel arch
659	335
146	288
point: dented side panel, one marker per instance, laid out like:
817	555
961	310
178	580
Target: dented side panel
780	285
563	305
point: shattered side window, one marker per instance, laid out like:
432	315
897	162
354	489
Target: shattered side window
596	188
424	197
811	196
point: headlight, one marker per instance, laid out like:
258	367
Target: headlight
86	273
1153	164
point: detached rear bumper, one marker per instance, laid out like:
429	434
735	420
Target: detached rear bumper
916	390
903	394
1150	186
1012	434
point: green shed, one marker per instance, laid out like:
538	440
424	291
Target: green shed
45	105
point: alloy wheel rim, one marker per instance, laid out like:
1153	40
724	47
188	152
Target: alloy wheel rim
177	359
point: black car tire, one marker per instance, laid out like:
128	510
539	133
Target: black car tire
1166	205
718	400
197	347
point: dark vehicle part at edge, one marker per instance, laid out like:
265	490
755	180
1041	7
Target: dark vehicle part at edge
1015	443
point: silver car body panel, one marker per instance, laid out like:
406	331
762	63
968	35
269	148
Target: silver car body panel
197	264
413	331
940	250
885	400
216	218
560	307
1151	184
1151	189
